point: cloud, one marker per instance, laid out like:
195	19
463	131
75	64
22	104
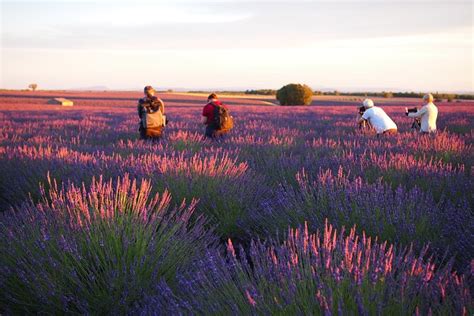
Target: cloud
227	24
97	25
152	14
241	2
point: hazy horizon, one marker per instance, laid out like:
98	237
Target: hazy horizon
226	89
230	45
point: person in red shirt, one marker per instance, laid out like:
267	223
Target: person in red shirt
208	115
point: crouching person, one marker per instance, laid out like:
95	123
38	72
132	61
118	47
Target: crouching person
216	117
151	111
428	115
377	118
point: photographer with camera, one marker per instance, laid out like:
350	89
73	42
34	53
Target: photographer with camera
428	115
377	118
364	125
151	111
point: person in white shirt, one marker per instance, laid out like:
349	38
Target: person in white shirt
428	115
377	118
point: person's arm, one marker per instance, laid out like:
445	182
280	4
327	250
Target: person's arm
205	114
364	117
418	113
140	109
162	106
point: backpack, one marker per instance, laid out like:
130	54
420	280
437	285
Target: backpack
153	117
223	121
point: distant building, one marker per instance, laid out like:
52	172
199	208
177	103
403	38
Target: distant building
61	101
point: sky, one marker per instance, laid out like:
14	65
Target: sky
214	45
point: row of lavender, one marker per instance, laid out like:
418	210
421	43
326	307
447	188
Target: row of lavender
115	248
279	168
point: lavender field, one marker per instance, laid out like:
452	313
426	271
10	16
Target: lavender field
295	212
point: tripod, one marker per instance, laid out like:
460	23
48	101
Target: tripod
416	124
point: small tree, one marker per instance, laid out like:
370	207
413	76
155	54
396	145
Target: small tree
437	97
387	94
295	94
33	86
450	97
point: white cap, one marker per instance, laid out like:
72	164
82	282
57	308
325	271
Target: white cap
428	97
368	103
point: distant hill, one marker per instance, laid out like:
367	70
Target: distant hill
91	88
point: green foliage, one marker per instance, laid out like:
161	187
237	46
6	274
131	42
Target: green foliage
224	200
387	94
295	94
261	92
95	250
448	96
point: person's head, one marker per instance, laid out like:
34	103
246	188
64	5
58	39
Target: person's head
212	97
368	103
149	91
428	98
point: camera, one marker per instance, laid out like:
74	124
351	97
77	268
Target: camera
416	121
364	125
412	110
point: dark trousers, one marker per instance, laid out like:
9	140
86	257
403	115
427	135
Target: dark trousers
211	132
150	133
142	132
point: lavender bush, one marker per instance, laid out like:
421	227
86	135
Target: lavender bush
95	250
402	216
325	273
278	168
